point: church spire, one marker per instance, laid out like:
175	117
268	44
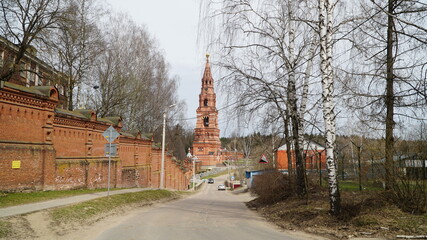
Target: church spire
206	144
207	79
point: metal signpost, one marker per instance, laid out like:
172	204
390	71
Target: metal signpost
110	134
110	151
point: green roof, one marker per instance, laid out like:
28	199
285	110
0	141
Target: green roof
39	90
126	134
111	120
70	113
85	112
147	136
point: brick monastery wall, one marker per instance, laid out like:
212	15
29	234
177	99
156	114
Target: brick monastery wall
59	149
25	136
155	166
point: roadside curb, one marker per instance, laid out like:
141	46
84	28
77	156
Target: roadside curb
239	191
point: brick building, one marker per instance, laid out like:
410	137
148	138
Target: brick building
31	70
314	153
206	144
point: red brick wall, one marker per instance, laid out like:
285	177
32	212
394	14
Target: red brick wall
135	157
65	150
30	173
25	136
143	163
71	175
155	167
80	159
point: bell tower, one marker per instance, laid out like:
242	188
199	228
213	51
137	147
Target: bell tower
206	145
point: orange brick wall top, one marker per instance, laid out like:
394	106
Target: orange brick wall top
28	112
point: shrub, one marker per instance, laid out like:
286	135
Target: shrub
410	195
272	187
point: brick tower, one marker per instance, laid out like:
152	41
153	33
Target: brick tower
206	145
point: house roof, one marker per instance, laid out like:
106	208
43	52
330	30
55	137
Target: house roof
308	145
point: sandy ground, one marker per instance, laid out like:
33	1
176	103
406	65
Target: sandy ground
38	225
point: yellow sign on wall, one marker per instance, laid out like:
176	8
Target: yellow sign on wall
16	164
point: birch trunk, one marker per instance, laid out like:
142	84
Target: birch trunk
325	27
288	146
293	107
304	97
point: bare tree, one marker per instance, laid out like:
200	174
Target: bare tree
325	30
26	23
387	70
76	44
133	78
266	53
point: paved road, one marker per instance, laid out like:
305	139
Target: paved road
209	214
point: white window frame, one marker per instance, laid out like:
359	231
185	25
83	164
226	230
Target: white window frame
36	75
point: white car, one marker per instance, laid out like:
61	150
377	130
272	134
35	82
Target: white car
221	187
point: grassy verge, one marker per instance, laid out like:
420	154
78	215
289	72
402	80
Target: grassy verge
5	229
89	209
216	175
13	199
354	186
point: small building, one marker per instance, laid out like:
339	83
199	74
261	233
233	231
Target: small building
31	71
250	176
410	165
227	155
313	153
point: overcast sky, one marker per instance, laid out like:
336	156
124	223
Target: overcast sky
174	24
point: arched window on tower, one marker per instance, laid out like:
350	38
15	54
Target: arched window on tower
205	102
206	121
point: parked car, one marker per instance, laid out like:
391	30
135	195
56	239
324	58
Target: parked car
211	181
221	187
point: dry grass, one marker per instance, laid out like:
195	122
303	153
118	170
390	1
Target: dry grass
364	214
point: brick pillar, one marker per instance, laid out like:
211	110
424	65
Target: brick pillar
48	152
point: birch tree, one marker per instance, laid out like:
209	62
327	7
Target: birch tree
266	51
325	31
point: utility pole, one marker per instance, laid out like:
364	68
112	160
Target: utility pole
162	169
